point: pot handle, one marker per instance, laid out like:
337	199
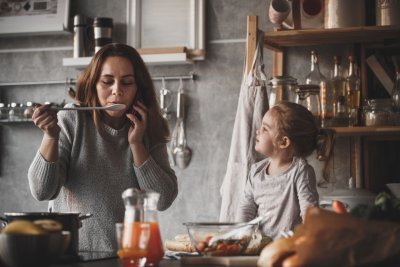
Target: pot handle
85	216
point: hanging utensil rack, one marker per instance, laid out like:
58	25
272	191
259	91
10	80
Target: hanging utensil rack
70	81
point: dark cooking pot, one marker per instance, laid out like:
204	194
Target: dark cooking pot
71	221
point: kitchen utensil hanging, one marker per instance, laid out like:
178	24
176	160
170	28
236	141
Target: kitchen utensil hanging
181	152
165	100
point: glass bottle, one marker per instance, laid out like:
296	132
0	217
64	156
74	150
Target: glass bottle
338	88
396	93
308	96
353	92
133	247
156	250
315	77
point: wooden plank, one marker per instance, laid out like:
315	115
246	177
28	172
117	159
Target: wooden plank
277	68
251	41
290	38
162	50
366	131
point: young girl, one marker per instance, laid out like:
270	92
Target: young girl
282	186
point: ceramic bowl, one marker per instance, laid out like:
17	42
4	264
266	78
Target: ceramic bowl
220	239
20	250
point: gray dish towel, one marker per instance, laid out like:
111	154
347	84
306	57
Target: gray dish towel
252	105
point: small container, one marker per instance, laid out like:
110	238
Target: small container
377	112
3	111
13	112
28	112
308	96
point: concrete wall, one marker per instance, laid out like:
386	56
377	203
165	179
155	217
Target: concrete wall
211	107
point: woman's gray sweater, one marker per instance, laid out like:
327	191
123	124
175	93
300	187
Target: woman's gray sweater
91	173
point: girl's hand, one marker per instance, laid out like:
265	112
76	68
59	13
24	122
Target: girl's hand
46	120
138	128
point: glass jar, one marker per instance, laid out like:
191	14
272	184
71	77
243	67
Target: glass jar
377	112
3	111
282	88
308	96
28	112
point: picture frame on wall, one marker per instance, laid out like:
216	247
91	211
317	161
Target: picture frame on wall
167	27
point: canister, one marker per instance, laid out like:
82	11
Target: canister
282	88
387	12
344	13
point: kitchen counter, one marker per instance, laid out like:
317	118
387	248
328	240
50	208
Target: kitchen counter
116	263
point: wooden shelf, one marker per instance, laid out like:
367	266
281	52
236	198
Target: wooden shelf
366	130
280	39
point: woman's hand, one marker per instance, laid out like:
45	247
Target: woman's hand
138	128
46	120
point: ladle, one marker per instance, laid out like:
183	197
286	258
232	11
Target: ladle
182	153
112	107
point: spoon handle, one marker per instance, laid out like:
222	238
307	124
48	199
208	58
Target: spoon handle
77	108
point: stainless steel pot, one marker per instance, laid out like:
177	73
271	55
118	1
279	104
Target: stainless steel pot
71	222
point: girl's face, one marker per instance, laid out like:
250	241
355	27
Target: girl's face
116	85
266	136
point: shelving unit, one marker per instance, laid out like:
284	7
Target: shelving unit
362	138
151	56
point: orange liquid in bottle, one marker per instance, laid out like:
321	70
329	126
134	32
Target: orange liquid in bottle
155	251
134	249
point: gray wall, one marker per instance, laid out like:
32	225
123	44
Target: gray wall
211	107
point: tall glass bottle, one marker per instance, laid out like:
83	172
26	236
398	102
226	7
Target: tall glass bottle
396	93
155	252
315	77
353	92
338	88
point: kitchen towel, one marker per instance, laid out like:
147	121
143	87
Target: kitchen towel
252	105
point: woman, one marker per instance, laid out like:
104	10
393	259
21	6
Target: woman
87	159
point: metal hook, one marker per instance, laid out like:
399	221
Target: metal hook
180	88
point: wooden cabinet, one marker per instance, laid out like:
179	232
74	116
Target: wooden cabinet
373	149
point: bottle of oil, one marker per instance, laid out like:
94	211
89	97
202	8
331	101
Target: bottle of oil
315	77
337	85
353	92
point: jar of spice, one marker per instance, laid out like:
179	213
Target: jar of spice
377	112
28	112
3	111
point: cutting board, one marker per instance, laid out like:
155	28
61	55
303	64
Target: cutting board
248	261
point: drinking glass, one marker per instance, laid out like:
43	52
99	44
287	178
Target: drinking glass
133	240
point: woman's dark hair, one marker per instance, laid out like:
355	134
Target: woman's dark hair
86	93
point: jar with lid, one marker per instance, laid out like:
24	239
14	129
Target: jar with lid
308	96
3	111
13	111
377	112
282	88
28	112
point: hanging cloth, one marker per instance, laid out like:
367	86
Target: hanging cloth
252	105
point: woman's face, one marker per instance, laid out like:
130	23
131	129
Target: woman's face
116	85
266	135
